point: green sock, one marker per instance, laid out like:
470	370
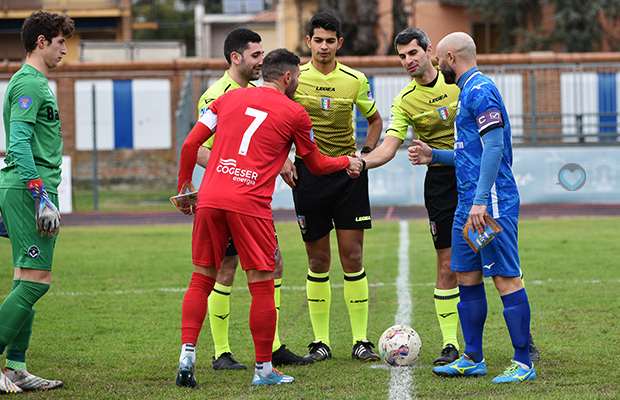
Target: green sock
448	315
17	308
319	301
356	298
277	283
16	351
219	312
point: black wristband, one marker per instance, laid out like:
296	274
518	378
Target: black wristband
366	149
363	164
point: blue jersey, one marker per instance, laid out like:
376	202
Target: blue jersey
481	109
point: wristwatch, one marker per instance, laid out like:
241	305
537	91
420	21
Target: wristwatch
366	149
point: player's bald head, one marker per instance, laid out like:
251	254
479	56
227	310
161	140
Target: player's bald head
460	44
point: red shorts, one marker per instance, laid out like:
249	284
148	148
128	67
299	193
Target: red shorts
255	239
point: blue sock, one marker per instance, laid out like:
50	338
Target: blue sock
517	315
473	314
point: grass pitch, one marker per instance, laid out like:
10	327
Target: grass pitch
110	325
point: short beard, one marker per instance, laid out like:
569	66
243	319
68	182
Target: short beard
449	76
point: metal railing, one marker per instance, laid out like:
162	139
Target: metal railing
548	104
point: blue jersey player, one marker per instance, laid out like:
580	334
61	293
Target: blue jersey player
482	156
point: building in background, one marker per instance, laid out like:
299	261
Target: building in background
285	23
94	20
211	29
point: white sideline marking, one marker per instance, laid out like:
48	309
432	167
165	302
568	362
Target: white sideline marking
401	379
379	284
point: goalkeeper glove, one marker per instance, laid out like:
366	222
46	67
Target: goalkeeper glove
48	217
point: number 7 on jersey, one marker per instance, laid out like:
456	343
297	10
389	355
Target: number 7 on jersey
259	118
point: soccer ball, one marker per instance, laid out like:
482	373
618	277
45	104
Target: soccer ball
400	345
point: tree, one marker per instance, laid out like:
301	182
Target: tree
578	25
400	17
175	19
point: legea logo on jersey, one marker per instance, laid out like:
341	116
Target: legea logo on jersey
25	102
443	113
326	103
229	167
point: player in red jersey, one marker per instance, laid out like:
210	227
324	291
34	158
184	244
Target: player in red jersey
256	128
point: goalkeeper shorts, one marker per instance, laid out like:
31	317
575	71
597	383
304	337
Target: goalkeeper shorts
499	257
30	250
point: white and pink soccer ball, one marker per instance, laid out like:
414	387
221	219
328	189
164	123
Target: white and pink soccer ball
400	345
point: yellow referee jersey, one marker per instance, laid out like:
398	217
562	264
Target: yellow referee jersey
429	110
329	101
221	86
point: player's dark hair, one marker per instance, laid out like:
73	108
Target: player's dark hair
326	21
409	34
277	62
238	40
45	23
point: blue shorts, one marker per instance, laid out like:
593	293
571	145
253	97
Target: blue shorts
499	257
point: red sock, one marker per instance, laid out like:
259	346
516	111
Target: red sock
262	318
195	307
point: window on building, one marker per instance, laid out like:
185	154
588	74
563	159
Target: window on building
487	37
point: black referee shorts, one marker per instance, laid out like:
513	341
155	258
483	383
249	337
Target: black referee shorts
440	200
325	201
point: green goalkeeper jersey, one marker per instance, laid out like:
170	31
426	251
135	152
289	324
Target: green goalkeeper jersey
429	110
329	101
223	85
29	99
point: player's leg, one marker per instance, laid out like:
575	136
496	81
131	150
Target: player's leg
32	258
194	311
219	311
472	306
350	248
534	353
313	199
351	217
208	246
517	316
257	248
440	200
281	355
504	252
318	292
446	306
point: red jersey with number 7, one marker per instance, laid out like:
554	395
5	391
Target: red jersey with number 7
255	130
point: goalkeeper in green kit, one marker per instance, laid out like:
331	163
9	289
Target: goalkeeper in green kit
29	190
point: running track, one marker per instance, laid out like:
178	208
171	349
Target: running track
378	214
